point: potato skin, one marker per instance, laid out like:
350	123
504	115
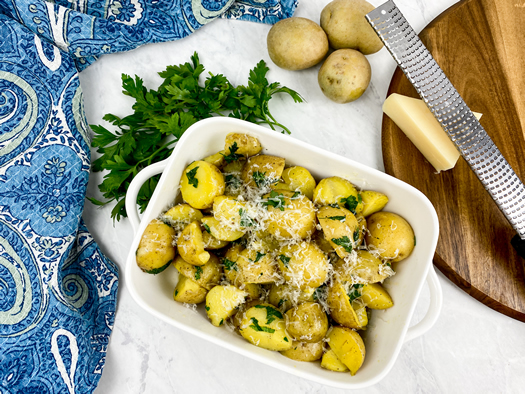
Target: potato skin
156	250
191	246
390	235
304	351
296	43
269	168
348	347
344	76
346	27
206	276
200	183
303	265
246	144
188	291
307	322
297	178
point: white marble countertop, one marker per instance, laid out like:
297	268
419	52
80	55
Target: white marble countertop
471	349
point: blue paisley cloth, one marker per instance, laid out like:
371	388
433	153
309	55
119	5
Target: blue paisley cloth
57	290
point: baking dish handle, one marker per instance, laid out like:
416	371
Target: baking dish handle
434	309
134	188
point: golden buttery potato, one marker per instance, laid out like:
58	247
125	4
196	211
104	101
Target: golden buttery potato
303	265
241	144
375	296
372	202
362	267
207	275
340	229
284	296
341	308
201	182
348	346
337	190
180	215
188	291
297	179
307	322
304	351
222	302
220	230
263	325
190	245
156	250
257	267
332	363
262	170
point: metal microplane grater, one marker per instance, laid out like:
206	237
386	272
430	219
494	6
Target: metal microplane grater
473	142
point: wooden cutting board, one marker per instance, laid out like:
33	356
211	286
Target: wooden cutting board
480	45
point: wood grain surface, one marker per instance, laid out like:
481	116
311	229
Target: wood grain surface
480	45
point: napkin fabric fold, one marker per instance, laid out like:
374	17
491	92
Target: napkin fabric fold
57	290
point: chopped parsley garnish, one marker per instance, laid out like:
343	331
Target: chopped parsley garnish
284	259
351	202
414	240
207	307
257	327
232	156
176	292
229	265
296	194
340	218
356	235
344	242
206	227
320	293
192	180
388	264
198	272
281	302
354	292
286	339
232	181
246	221
271	313
259	178
275	200
258	256
222	321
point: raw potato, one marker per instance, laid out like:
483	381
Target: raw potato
344	76
362	267
221	303
246	144
303	351
345	24
307	322
181	215
332	190
221	231
207	275
188	291
262	170
257	267
264	326
332	363
156	250
297	43
191	246
372	202
303	265
207	182
341	309
340	228
390	235
348	346
375	296
297	179
291	217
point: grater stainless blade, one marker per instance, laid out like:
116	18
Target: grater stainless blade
470	138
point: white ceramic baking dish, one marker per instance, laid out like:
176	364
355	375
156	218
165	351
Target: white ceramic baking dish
387	329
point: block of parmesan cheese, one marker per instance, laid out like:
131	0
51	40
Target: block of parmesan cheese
414	118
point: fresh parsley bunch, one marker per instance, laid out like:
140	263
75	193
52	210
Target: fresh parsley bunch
161	117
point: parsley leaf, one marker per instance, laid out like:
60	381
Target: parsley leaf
192	180
160	117
232	156
198	273
229	265
351	202
344	242
354	292
207	228
340	218
258	256
232	181
285	260
275	200
257	327
246	221
259	178
271	313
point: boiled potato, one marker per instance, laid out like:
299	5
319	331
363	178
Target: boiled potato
360	310
191	246
290	215
156	251
375	296
241	144
332	363
321	241
303	351
345	24
337	190
297	179
372	202
231	212
390	235
241	313
362	267
212	243
341	308
201	182
262	170
307	322
296	43
340	228
188	291
207	275
348	346
303	265
285	296
222	302
344	76
181	215
219	230
231	270
253	290
263	326
257	267
216	159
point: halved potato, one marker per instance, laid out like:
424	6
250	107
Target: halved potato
372	202
362	267
219	230
337	190
231	270
303	265
341	309
340	228
262	170
332	363
201	182
222	302
348	346
304	351
307	322
156	250
207	275
231	212
297	179
375	296
212	243
285	296
257	267
180	215
263	325
191	246
188	291
216	159
241	144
